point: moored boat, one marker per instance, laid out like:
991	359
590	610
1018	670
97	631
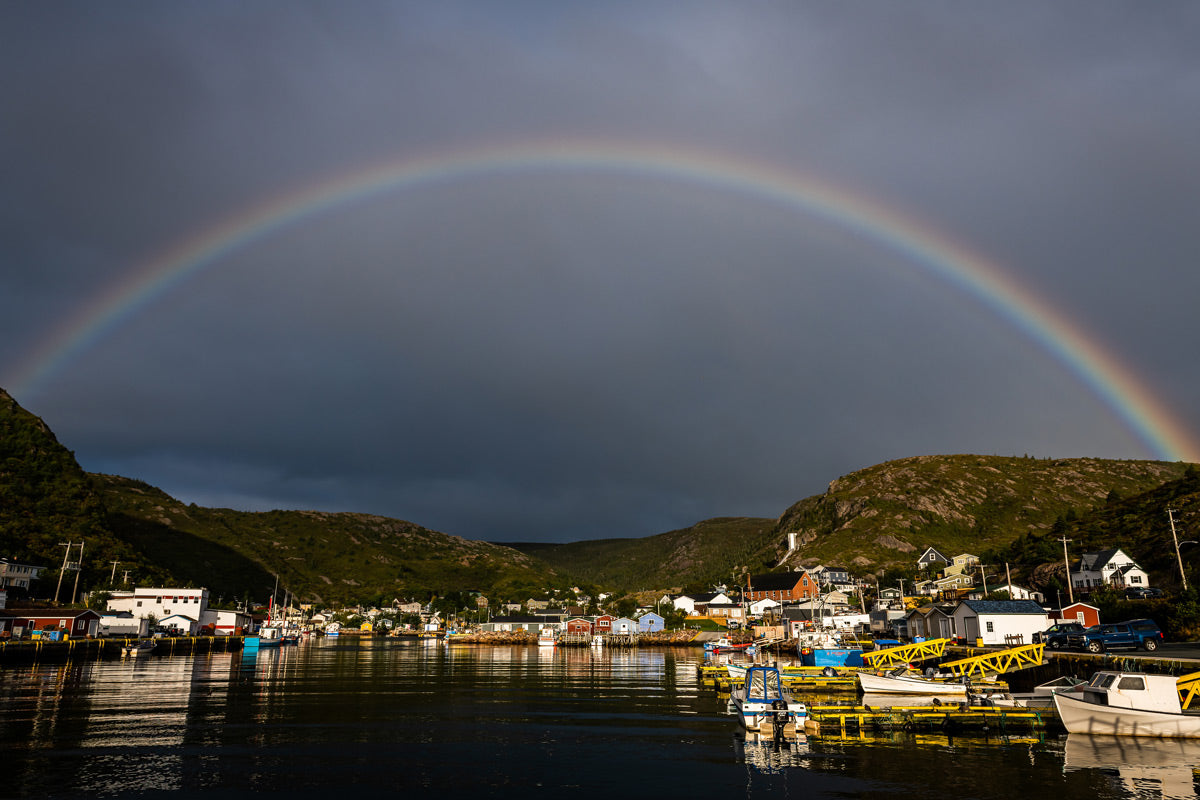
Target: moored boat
141	647
908	684
724	645
1127	704
547	637
762	704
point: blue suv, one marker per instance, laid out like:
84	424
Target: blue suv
1134	633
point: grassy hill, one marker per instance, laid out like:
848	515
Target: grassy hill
324	557
713	551
871	521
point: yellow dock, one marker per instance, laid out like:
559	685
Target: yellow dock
953	716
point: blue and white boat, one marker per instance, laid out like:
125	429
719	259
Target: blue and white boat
763	705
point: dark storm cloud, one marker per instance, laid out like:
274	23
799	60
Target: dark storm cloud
574	355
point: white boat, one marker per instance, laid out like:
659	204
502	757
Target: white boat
141	647
547	637
270	636
909	684
1127	704
763	705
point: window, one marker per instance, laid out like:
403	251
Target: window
990	629
1128	682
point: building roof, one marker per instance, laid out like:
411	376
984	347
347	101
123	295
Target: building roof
1004	606
1091	562
775	581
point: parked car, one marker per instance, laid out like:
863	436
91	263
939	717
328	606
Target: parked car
1134	633
1143	592
1055	637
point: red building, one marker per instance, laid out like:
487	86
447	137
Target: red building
782	587
71	622
579	625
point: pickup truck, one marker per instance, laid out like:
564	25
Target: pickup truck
1134	633
1055	637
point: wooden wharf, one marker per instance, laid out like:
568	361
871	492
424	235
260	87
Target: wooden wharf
946	717
44	650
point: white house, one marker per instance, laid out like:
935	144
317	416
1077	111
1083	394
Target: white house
145	602
689	603
180	624
123	623
226	623
1016	592
999	621
1107	568
758	607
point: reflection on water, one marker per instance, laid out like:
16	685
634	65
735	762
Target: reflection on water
1148	768
385	716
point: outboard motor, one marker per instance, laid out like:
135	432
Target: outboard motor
779	717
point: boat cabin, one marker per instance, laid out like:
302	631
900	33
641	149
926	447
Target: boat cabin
1132	690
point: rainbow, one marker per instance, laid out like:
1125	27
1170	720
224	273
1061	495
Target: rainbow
920	245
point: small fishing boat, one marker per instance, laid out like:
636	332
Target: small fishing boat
547	637
822	649
904	683
1127	704
763	705
142	647
724	645
270	636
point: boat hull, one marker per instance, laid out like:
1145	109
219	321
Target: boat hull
895	684
831	656
1080	716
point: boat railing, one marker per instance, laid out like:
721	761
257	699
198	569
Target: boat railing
1188	686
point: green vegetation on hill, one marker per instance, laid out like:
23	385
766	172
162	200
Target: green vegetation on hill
886	515
331	558
876	520
718	550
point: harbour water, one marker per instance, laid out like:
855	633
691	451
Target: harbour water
371	717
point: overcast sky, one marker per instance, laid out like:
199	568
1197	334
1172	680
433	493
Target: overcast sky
572	352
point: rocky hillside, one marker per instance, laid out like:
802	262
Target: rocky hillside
888	514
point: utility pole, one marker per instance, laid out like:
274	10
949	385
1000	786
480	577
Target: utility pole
66	556
125	577
1175	538
1067	564
113	579
983	576
78	569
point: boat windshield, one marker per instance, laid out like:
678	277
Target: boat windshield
1102	680
763	685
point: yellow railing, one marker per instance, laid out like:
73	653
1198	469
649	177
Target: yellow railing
1189	687
881	659
1029	655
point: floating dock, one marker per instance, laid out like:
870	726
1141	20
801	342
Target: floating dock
947	717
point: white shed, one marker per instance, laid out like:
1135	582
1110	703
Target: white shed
1002	622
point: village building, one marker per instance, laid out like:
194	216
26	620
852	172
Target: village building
784	587
1107	568
929	622
931	559
1086	615
650	622
18	576
52	623
122	623
999	622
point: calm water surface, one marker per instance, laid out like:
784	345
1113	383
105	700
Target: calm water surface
352	718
